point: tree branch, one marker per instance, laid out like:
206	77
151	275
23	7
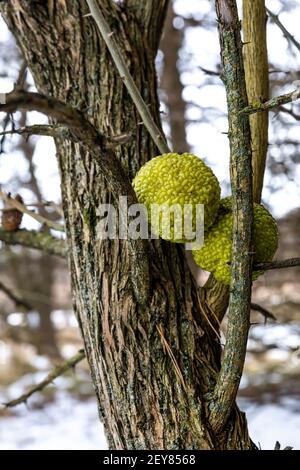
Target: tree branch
38	129
64	133
98	146
11	202
286	33
290	112
287	263
263	311
107	34
272	103
241	182
56	372
17	300
37	240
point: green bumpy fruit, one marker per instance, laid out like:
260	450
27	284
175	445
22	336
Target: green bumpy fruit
215	254
173	179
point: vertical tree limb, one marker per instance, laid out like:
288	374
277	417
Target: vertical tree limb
241	184
257	81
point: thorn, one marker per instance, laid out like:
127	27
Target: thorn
110	34
88	14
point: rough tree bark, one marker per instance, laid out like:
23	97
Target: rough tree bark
153	366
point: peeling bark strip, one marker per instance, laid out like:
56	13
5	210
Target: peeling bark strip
137	376
241	185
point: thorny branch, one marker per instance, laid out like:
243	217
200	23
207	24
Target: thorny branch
275	102
15	298
286	33
241	182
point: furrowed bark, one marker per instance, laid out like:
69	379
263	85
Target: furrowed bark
152	365
257	81
241	184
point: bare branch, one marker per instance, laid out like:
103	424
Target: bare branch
63	132
263	311
241	182
20	82
287	263
17	300
107	34
290	112
42	241
98	146
38	129
275	102
51	204
214	73
22	208
286	33
56	372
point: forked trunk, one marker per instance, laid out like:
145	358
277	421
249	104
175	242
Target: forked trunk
153	367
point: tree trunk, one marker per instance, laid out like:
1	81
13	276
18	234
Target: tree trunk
171	83
153	367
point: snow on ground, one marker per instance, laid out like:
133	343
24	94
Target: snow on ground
66	424
69	424
269	423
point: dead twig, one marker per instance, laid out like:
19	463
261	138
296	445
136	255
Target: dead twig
56	372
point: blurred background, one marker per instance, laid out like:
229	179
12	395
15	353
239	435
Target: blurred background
37	327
